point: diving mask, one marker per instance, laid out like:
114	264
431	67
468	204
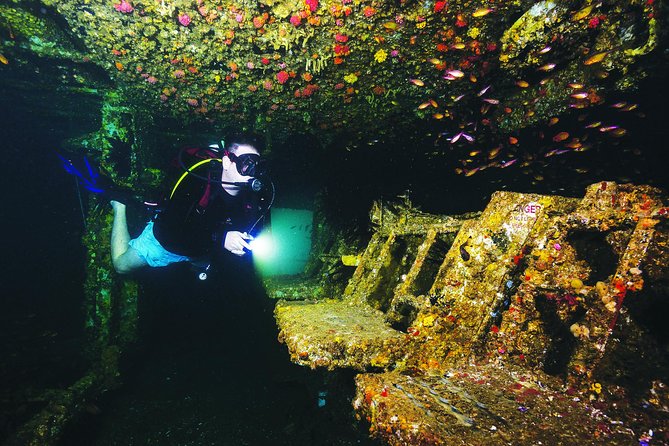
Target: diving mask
248	164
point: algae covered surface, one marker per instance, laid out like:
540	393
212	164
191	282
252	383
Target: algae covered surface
349	66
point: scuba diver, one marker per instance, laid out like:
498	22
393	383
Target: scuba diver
201	219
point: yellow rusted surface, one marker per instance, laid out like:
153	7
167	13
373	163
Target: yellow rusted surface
334	333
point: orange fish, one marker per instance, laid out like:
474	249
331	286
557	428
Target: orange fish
3	59
434	61
458	46
547	67
119	66
560	136
554	120
522	84
481	12
576	86
424	105
494	152
580	95
438	116
595	58
513	140
417	82
433	103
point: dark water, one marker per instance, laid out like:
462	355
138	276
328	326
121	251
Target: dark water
41	275
210	372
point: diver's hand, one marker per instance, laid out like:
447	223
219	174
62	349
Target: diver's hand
235	242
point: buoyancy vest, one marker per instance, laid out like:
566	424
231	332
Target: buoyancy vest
199	212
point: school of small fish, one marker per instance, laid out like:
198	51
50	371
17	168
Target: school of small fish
473	140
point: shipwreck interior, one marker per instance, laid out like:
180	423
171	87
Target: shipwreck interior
478	192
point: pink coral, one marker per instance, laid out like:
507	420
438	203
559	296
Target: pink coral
179	74
593	22
124	7
192	102
282	77
312	4
184	19
151	80
295	20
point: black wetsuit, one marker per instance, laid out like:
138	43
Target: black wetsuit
188	228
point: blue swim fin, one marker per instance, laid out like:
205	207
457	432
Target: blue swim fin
90	181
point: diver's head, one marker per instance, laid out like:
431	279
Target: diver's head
241	163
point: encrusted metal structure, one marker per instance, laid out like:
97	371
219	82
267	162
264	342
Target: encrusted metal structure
522	325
